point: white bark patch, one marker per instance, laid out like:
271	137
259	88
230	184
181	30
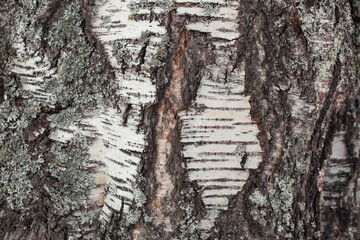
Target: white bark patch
212	130
115	153
219	122
217	29
121	150
117	144
336	179
205	1
122	145
113	24
33	72
225	27
223	12
120	24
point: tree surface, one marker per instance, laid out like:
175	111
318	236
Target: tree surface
179	119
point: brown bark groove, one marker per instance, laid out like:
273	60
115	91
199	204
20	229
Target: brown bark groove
184	119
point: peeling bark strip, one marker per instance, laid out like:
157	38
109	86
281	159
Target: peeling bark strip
339	171
219	137
178	119
114	156
33	72
337	176
131	46
136	43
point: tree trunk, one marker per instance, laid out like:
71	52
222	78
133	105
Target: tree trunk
179	119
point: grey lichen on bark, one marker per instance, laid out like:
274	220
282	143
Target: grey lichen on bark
185	119
51	76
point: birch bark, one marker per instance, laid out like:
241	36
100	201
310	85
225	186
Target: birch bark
179	119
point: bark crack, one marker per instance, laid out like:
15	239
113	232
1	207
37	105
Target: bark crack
167	109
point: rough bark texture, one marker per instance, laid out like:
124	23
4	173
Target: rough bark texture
179	119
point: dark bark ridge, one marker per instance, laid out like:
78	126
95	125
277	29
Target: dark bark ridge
295	58
269	201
